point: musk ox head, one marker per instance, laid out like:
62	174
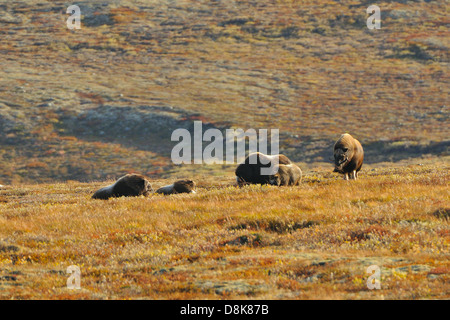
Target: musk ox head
341	157
348	155
275	180
184	186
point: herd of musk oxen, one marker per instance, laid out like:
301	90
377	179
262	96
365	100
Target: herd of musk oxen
348	159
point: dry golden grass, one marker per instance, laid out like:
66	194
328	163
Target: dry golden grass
314	241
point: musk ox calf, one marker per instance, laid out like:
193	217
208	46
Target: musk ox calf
249	172
131	185
348	156
180	186
286	175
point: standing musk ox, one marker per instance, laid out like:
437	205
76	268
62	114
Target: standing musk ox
131	185
179	186
249	172
286	175
348	156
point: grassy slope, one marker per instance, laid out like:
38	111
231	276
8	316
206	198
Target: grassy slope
312	241
309	68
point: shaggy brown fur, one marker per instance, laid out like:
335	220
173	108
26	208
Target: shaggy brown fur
131	185
348	156
180	186
249	172
286	175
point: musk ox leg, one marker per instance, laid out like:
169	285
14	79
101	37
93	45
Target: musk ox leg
354	176
345	176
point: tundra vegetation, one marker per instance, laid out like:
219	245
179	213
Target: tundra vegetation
81	108
313	241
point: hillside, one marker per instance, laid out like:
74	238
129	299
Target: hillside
314	241
95	103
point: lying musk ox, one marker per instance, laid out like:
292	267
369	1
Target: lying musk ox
286	175
249	172
180	186
348	156
131	185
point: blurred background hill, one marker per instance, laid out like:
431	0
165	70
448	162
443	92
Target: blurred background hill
98	102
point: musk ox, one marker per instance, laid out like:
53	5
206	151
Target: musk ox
131	185
179	186
249	172
286	175
348	156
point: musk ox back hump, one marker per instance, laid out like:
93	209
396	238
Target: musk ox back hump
265	160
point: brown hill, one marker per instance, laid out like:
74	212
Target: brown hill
76	104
